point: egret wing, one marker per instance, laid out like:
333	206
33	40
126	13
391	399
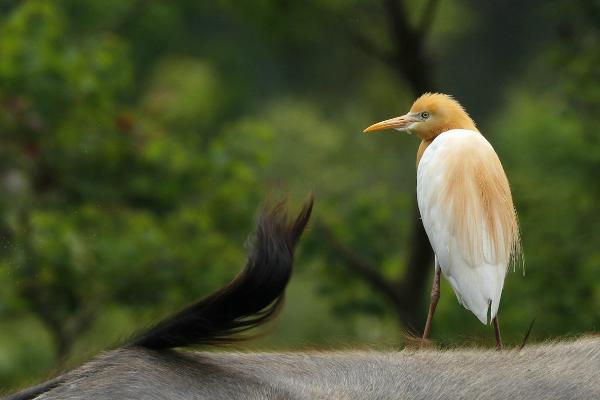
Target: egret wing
468	214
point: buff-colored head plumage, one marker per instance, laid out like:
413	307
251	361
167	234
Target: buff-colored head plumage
443	113
430	115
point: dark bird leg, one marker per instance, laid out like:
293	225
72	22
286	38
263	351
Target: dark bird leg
497	332
435	296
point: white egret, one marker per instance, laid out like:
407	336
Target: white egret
465	203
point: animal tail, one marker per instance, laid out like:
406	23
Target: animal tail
251	299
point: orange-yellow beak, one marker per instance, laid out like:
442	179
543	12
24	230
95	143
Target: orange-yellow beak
393	123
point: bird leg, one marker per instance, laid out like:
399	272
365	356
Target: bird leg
435	296
497	332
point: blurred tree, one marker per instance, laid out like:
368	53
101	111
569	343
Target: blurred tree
97	189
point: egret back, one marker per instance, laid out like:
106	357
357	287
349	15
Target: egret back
468	213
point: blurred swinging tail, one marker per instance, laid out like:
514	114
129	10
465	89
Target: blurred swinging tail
251	299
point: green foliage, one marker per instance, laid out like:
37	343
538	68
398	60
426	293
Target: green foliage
138	138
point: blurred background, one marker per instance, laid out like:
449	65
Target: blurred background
138	139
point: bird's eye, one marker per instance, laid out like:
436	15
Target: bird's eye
424	115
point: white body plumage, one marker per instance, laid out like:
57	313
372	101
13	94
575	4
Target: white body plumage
467	212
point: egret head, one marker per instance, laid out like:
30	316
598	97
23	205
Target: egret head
430	115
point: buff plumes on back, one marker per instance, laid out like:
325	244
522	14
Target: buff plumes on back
482	207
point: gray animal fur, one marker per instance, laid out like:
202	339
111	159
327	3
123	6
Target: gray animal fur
560	370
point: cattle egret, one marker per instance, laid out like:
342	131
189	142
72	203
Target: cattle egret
465	204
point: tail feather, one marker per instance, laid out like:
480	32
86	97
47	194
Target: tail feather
251	299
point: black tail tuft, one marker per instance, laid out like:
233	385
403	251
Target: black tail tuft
251	299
